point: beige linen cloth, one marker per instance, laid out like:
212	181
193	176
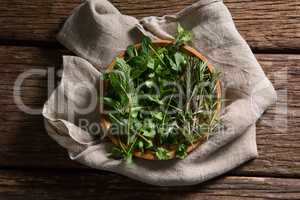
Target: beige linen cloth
96	31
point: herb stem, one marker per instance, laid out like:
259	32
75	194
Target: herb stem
143	137
129	119
163	121
157	55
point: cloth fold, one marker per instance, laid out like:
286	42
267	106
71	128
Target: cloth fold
97	32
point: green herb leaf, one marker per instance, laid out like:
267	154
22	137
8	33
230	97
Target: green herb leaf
149	133
157	115
146	42
183	36
181	151
140	64
131	51
141	146
153	98
162	153
173	64
150	63
149	83
179	59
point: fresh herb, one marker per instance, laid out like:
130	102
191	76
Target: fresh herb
181	152
162	153
160	98
183	36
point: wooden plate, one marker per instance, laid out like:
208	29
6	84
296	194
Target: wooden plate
150	155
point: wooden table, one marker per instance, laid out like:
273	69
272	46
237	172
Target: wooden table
32	166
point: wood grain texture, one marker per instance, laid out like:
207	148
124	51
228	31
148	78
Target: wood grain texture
24	142
265	24
46	185
33	166
278	137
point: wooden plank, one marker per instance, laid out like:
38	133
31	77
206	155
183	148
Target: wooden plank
58	185
265	24
24	142
278	137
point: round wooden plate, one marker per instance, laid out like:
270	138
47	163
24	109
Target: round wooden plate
150	155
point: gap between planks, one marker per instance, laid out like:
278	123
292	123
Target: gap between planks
46	185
